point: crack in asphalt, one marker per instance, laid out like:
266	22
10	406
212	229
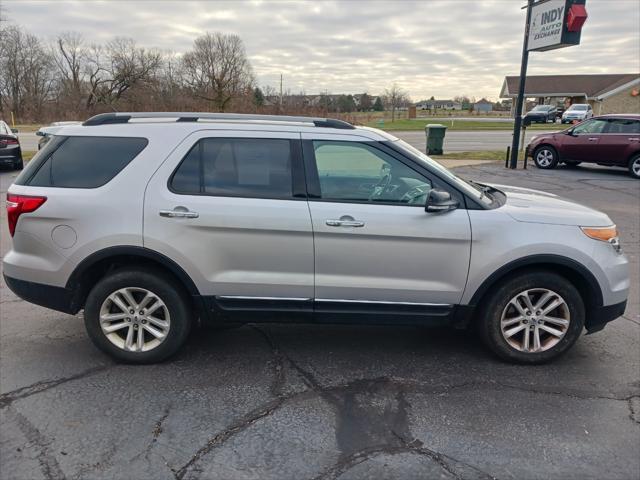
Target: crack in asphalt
46	459
8	398
624	317
634	414
242	424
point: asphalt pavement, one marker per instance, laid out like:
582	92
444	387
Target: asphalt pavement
328	402
455	141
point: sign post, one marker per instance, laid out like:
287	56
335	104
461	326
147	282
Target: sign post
550	24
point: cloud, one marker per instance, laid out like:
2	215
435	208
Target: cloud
429	47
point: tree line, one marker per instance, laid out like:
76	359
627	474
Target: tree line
70	78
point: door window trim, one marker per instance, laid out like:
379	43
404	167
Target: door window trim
298	184
314	192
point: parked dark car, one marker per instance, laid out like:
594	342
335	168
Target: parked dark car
10	152
611	140
541	114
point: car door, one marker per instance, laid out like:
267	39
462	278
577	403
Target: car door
376	249
619	141
230	208
580	144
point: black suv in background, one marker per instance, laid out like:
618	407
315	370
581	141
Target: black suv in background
10	152
541	114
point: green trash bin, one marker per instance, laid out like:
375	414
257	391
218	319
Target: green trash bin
435	138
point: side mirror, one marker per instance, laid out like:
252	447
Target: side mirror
440	201
40	133
569	132
14	130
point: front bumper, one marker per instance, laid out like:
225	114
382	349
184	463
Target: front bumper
600	316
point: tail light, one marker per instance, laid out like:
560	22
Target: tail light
9	141
19	204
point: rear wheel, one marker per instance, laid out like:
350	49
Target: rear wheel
532	318
545	157
634	166
137	316
18	165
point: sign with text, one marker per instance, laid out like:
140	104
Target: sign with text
556	24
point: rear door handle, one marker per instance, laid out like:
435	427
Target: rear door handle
178	212
593	139
345	221
634	139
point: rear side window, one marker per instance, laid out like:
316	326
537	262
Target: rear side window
82	162
238	167
623	126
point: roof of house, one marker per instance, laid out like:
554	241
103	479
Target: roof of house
483	100
439	102
591	86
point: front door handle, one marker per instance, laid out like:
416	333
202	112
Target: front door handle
345	221
179	212
593	139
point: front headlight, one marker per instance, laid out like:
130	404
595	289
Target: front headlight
604	234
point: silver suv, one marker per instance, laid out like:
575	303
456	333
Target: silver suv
151	222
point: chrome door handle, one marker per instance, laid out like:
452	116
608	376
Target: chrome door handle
593	139
634	139
344	223
178	214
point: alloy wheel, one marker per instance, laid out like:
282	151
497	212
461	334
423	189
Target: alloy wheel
535	320
134	319
544	158
635	167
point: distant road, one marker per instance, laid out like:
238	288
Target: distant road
454	141
466	141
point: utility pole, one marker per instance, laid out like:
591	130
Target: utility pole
280	93
517	124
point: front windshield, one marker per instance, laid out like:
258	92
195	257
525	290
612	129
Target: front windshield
470	189
578	107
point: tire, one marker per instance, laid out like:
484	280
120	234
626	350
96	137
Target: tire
572	164
545	157
171	315
18	165
634	166
498	307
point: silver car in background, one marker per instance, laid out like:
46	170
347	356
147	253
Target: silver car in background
153	221
577	113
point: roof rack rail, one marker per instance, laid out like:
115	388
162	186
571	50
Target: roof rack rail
113	118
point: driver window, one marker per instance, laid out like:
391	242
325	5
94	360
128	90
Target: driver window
357	172
590	127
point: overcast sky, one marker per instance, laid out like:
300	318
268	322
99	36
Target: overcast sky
442	48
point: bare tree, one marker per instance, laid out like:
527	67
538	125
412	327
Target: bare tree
69	55
26	80
217	69
113	70
395	98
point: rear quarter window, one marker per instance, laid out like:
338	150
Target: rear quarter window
81	162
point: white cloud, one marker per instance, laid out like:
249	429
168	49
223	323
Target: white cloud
429	47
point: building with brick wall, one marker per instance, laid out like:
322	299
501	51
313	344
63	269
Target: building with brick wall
607	93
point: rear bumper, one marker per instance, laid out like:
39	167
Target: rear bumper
600	316
55	298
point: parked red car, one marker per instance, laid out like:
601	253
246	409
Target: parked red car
611	140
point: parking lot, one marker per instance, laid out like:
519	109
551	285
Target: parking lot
329	402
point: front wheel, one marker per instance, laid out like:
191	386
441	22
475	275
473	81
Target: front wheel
545	157
532	318
137	316
634	166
